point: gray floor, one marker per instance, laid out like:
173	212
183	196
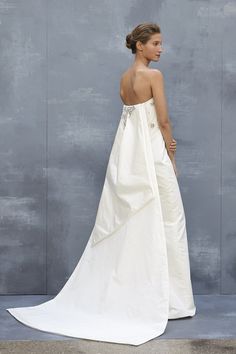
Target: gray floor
162	346
215	319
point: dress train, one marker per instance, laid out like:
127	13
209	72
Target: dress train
134	273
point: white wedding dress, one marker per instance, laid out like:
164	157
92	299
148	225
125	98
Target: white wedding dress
134	273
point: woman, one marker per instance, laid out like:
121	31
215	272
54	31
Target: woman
134	273
139	83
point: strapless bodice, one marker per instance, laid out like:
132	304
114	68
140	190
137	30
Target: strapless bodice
146	106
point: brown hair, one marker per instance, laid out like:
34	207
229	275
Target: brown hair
141	33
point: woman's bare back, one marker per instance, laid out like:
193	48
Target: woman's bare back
135	86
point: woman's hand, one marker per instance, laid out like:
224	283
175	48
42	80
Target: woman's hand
172	146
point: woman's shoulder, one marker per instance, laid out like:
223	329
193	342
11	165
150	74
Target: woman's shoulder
132	71
151	74
143	73
156	73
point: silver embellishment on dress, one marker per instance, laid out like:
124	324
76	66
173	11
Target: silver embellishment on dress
152	125
127	110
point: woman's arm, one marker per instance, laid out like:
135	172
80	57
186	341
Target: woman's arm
158	92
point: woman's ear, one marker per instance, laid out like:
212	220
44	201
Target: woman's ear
139	45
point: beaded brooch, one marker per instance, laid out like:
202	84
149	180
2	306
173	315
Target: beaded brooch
126	113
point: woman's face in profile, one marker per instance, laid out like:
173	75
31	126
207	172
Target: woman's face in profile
153	48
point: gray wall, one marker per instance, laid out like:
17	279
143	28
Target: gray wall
60	64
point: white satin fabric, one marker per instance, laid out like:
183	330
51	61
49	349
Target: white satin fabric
134	273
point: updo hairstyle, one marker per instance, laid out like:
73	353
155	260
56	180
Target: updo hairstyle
142	33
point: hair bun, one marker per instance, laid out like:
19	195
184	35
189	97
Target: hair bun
129	40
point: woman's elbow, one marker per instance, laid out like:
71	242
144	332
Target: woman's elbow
164	123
